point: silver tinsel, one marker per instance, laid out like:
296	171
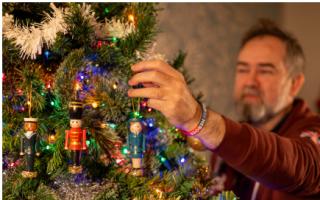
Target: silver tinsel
77	187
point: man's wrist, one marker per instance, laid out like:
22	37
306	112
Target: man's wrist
194	121
199	123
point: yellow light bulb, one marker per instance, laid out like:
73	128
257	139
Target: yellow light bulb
94	104
114	86
131	17
28	102
77	86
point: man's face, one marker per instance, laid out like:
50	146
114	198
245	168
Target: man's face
262	85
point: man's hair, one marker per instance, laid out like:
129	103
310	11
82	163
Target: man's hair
295	59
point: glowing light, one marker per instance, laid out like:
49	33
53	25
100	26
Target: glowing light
77	86
106	10
52	103
82	77
131	18
48	147
136	114
88	142
29	103
144	104
47	54
94	104
163	159
115	86
114	39
3	77
124	150
182	160
150	124
149	109
112	125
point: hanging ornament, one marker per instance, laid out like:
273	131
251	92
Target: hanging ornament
29	146
137	145
75	140
195	143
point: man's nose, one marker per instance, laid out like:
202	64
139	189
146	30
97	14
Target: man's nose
252	79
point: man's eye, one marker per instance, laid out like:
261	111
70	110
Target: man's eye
242	70
265	71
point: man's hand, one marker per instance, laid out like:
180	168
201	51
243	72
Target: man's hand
167	92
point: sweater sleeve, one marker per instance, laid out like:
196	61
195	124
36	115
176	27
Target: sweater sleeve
288	164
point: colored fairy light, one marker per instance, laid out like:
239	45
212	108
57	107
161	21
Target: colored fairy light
47	147
136	114
88	142
144	104
3	77
163	159
115	86
47	54
77	86
82	77
99	44
124	150
149	109
131	17
106	10
114	39
112	125
94	104
52	103
182	160
28	102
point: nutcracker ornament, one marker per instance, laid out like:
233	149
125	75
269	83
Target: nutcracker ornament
75	140
137	145
29	146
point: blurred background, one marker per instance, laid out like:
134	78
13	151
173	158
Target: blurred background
210	33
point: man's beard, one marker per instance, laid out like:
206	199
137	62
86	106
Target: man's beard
254	113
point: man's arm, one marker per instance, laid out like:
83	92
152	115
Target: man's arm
282	163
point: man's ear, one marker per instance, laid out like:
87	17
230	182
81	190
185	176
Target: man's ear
297	83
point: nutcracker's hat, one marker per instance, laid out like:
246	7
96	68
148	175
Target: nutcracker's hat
75	109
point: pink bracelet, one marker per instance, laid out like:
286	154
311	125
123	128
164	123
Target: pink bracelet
200	126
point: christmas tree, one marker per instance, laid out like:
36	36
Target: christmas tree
69	129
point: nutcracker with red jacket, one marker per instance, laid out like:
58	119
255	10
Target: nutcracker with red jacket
75	140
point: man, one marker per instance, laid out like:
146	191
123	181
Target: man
276	153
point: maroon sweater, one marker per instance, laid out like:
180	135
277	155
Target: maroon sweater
284	162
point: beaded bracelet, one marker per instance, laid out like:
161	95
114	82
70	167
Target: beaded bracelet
200	126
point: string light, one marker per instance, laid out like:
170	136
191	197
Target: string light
124	150
3	77
131	18
52	103
94	104
77	86
115	86
114	39
47	54
29	103
106	10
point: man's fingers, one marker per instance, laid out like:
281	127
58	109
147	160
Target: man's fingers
156	104
157	65
151	93
155	77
